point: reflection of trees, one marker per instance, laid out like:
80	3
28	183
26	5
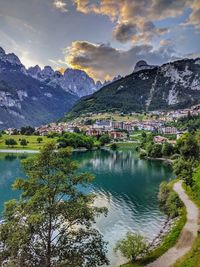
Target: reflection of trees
119	162
10	157
124	175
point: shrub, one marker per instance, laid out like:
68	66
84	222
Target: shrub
114	146
10	142
142	155
169	200
23	142
132	246
39	140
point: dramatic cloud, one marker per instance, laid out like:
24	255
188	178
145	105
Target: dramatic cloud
59	4
125	32
194	18
134	18
102	61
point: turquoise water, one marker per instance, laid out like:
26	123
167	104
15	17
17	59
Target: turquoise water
125	184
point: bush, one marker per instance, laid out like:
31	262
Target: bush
169	200
132	246
114	146
23	142
39	140
143	155
175	156
10	142
154	150
167	149
104	139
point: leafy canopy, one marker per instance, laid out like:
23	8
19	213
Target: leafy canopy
51	224
132	246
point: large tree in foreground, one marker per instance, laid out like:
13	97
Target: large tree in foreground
51	224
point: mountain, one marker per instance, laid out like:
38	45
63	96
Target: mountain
142	65
170	86
74	81
25	100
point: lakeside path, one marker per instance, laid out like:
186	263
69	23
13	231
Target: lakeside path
188	234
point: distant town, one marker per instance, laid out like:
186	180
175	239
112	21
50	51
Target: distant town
155	121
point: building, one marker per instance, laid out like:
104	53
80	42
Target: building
160	139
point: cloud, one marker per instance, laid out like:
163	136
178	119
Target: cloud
124	32
59	4
194	17
102	61
135	18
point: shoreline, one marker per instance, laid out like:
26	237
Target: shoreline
165	160
18	151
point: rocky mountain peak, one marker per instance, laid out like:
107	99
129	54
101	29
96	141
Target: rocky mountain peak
2	52
142	65
34	71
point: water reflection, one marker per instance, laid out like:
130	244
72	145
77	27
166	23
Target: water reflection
125	184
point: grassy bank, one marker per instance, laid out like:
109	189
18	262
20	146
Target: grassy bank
191	259
33	144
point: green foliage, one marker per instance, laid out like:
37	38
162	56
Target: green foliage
191	123
154	150
196	182
169	200
10	142
39	140
45	227
132	246
184	169
167	149
104	139
23	142
113	146
189	148
143	155
27	130
76	140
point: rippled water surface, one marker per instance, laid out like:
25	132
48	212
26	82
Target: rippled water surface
125	184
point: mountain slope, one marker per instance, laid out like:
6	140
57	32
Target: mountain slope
25	100
172	85
74	81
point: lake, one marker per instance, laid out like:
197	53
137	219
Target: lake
126	185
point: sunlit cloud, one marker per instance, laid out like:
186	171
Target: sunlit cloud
61	5
134	19
102	60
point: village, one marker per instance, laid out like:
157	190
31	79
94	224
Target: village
156	122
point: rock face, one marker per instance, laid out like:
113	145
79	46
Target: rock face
170	86
25	100
74	81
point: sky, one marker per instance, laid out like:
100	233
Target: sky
103	37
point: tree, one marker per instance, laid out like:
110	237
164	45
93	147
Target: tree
113	146
167	149
39	139
27	130
51	224
132	246
104	139
11	142
23	142
184	169
169	200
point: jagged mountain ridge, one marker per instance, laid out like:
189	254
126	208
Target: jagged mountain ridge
170	86
25	100
73	81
